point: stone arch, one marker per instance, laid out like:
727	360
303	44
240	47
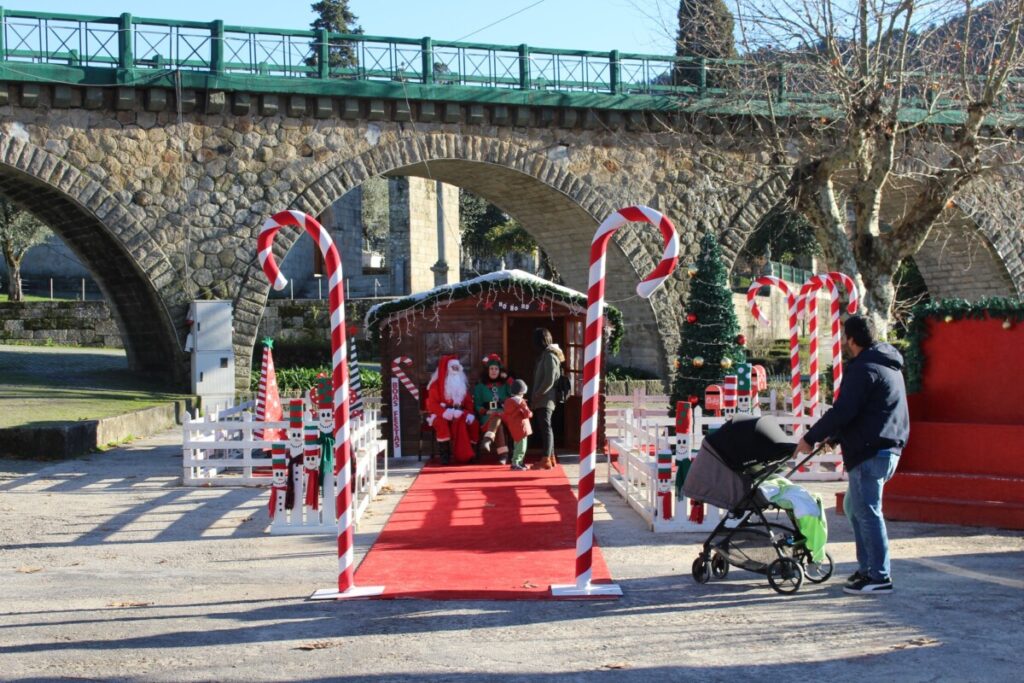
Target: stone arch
558	208
953	261
105	231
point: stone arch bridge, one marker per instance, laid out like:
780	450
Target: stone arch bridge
159	178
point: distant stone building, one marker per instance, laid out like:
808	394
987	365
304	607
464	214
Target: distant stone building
386	230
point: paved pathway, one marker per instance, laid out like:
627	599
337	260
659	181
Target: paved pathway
111	570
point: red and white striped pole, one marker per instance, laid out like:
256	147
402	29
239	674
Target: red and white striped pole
730	394
835	280
340	372
592	359
794	330
808	305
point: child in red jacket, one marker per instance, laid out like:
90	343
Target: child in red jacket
517	418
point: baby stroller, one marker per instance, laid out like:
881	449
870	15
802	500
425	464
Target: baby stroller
730	467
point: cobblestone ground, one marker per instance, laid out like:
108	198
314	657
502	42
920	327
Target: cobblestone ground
113	571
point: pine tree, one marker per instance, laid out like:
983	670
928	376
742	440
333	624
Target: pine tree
336	17
705	30
710	331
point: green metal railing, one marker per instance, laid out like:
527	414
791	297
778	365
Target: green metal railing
84	49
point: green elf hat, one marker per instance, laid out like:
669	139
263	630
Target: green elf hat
492	359
295	413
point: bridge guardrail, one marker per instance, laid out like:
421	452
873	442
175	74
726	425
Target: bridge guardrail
138	49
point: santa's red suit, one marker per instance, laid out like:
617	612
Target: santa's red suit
450	402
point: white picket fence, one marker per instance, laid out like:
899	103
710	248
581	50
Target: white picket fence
218	449
637	428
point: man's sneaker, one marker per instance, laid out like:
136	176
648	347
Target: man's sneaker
519	468
854	578
867	586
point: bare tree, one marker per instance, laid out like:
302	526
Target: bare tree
885	111
19	232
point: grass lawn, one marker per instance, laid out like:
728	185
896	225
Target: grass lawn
29	297
47	385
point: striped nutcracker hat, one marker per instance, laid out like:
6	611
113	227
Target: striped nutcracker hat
295	413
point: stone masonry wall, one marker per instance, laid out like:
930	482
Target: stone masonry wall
73	323
165	206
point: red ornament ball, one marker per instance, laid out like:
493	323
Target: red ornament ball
741	339
691	318
692	400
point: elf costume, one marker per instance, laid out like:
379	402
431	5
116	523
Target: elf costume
489	399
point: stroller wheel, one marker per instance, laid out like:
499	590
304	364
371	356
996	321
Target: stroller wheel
818	572
785	575
719	566
701	570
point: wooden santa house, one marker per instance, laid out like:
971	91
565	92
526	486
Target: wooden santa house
493	313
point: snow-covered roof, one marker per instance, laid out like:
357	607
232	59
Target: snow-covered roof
535	287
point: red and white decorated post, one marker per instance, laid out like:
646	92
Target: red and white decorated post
730	394
591	380
340	383
398	376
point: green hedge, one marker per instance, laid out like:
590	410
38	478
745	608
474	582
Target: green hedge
291	379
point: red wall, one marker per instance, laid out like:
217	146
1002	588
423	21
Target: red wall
973	372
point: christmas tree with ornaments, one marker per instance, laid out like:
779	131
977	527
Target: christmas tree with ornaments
711	345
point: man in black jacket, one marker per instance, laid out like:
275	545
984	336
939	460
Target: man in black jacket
871	422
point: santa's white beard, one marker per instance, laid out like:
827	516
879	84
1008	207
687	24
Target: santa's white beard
455	387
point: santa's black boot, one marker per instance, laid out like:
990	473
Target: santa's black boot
446	452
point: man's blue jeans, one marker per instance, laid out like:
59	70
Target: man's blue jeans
863	507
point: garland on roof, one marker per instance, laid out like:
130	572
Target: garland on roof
533	294
1011	311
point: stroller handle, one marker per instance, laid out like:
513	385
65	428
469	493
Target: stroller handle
810	455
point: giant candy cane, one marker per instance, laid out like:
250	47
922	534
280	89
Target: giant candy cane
339	376
794	330
397	371
834	280
591	378
808	307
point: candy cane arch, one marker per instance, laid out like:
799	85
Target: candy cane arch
834	280
339	375
592	361
794	329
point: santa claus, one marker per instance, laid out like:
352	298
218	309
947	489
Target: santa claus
451	404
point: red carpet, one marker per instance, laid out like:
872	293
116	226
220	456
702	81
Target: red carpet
479	532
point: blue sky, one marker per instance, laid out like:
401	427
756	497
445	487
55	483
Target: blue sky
626	25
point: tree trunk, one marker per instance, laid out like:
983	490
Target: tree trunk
879	294
14	273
